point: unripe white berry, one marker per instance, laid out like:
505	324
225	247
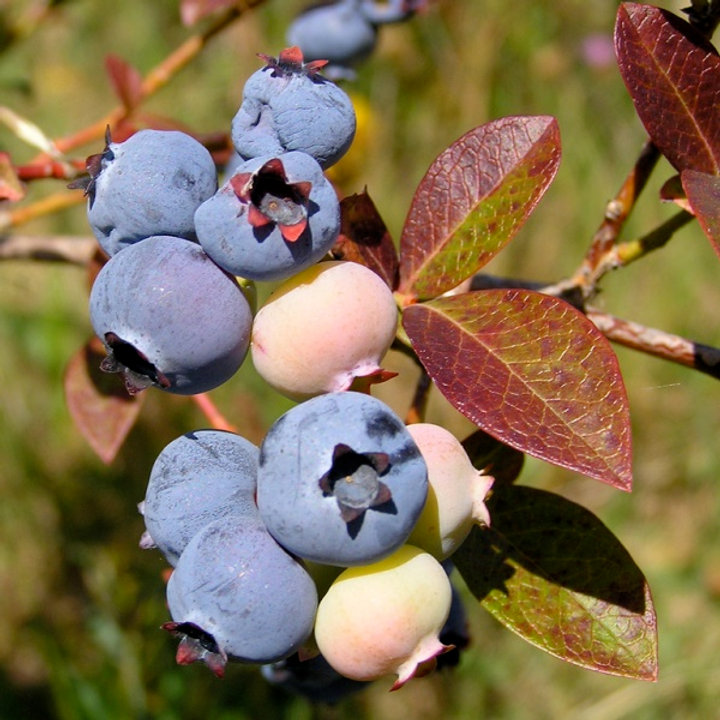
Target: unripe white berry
323	328
456	493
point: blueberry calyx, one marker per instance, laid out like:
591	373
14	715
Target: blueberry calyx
354	481
290	61
138	372
94	165
197	645
272	199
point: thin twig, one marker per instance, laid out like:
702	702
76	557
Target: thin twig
77	250
418	407
39	208
156	78
658	343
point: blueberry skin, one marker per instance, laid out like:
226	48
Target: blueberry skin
339	33
249	599
170	317
197	478
304	511
287	108
150	184
262	253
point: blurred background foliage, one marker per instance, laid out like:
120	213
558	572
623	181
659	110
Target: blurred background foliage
81	604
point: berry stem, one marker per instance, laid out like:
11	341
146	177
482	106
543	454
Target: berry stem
44	206
210	410
418	407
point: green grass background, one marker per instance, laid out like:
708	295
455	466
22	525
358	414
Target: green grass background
80	604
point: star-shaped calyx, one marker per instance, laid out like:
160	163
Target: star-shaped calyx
290	61
197	645
137	371
272	199
354	481
94	166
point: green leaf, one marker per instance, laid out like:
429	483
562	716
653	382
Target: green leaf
551	572
533	372
99	404
673	76
472	201
703	194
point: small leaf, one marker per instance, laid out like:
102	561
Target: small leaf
365	239
532	371
98	403
673	75
476	195
672	191
551	572
126	81
703	193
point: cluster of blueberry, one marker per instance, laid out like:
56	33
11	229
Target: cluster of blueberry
345	32
342	502
328	538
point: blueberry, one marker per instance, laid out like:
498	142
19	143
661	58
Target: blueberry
295	345
274	217
169	317
151	184
339	33
236	594
340	480
197	478
288	106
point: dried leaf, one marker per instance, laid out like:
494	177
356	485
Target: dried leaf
533	372
673	75
98	403
551	572
365	239
472	201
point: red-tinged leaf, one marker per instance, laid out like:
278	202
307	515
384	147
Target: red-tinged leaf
11	189
551	572
533	372
703	193
365	239
126	81
193	10
673	75
98	403
476	195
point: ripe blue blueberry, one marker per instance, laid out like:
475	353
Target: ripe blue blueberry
151	184
197	478
274	217
169	317
339	33
288	106
340	480
236	594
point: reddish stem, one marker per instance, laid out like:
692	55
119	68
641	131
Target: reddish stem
210	410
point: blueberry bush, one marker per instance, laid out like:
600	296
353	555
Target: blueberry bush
332	402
